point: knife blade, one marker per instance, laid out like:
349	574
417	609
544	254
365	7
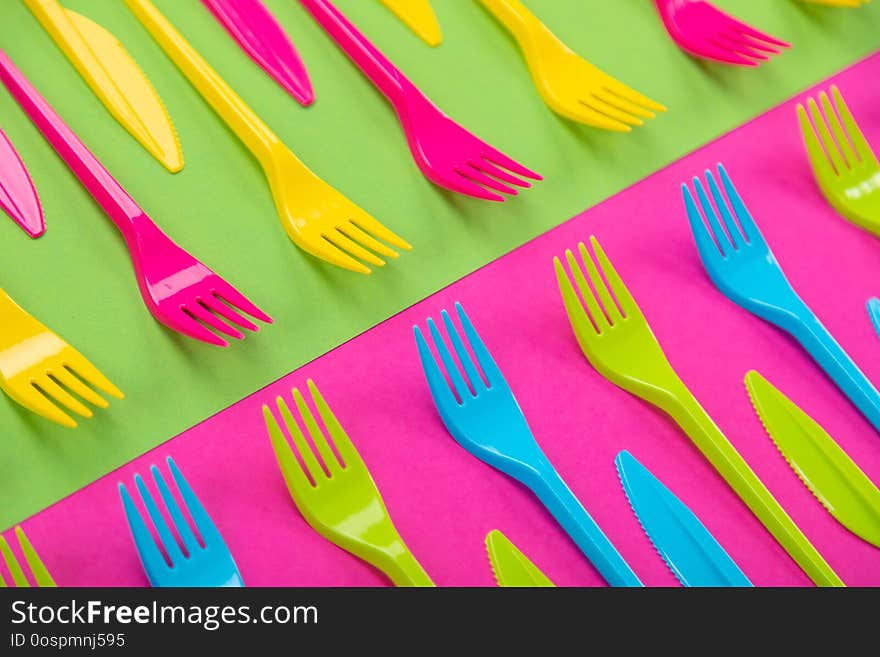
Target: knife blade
510	566
419	16
689	550
18	196
819	462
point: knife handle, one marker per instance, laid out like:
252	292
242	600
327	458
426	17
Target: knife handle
580	526
715	446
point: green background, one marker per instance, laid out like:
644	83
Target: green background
78	279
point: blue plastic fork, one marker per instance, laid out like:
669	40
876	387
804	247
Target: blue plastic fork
205	564
742	266
488	422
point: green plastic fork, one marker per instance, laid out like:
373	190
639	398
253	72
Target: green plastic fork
619	343
337	496
38	570
844	165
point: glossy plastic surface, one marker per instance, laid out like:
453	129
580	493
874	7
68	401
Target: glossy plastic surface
510	566
830	474
41	575
18	196
446	153
255	29
484	417
838	3
419	16
570	85
335	492
115	78
176	288
316	217
617	340
873	307
844	165
744	269
39	370
703	30
198	562
686	546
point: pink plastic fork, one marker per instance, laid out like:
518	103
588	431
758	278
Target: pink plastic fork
703	30
18	196
180	291
447	154
255	29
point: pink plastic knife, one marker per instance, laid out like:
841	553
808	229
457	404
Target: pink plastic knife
260	35
18	196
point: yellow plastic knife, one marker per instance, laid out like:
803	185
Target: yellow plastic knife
114	77
419	16
510	566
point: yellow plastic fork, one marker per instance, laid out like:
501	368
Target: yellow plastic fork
317	218
568	83
837	3
39	370
617	340
38	570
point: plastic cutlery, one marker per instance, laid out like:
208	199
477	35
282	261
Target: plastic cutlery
255	29
844	165
39	572
179	291
703	30
39	370
316	217
819	462
682	541
569	84
18	196
873	307
838	3
191	562
484	417
744	269
617	340
114	77
336	495
419	16
446	153
510	566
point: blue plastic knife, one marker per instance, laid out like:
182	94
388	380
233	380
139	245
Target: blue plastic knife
691	552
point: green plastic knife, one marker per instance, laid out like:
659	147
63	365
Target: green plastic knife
512	567
830	474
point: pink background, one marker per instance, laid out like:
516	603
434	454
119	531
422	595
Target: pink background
444	501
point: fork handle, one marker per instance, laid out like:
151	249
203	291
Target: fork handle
555	494
109	194
243	121
514	15
715	446
825	350
405	570
378	68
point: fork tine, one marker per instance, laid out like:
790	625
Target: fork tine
723	52
31	398
464	185
624	298
236	299
825	137
218	306
484	358
592	116
183	528
623	104
856	136
593	310
819	160
612	312
598	103
486	166
199	312
373	226
458	382
471	172
326	250
294	475
721	237
577	315
471	373
440	390
634	97
149	552
208	530
38	569
311	466
344	446
68	379
749	227
18	577
84	369
352	231
185	323
763	46
497	157
352	248
837	130
172	549
319	440
58	394
705	244
738	43
745	28
733	230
